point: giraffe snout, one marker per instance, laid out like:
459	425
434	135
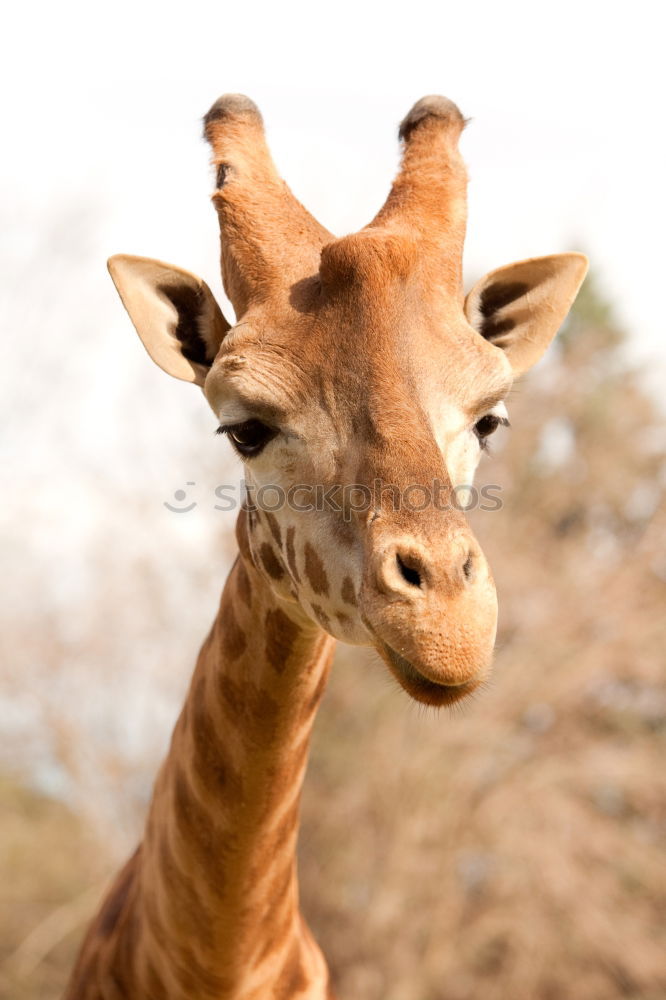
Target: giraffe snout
432	610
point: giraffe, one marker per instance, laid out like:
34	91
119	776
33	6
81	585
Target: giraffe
355	374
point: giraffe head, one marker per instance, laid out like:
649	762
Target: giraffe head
359	385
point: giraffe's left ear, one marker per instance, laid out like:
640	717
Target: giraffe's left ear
174	312
520	308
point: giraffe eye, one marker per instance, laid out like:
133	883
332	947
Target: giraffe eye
249	438
487	425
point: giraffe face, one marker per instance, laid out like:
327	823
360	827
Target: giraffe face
359	388
355	425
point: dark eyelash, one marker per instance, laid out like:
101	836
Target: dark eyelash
484	442
249	437
501	421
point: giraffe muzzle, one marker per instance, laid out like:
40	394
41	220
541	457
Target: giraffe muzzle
432	613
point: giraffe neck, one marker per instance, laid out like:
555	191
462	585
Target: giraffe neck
208	905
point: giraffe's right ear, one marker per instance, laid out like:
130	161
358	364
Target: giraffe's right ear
519	308
174	312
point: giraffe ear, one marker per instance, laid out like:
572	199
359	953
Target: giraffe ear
520	308
174	312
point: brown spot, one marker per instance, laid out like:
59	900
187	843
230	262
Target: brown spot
263	713
271	563
195	825
344	619
321	616
211	757
344	531
314	570
291	554
272	522
232	694
281	634
232	638
347	592
249	706
243	586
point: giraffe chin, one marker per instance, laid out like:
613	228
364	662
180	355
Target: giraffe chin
421	688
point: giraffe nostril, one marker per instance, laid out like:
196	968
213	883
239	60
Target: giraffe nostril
468	567
408	573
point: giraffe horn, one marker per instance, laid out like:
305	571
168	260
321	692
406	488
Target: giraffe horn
269	240
428	199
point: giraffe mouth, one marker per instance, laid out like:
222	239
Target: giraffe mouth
421	688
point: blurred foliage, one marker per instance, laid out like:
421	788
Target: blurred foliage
509	848
52	874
